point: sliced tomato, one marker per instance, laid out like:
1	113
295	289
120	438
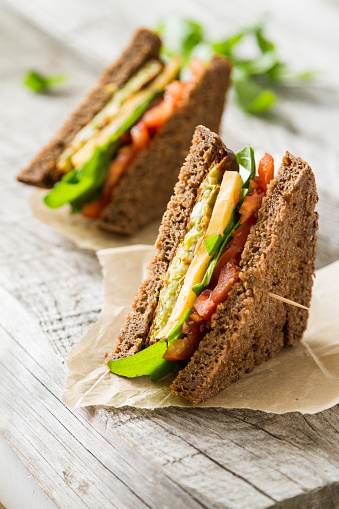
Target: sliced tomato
93	210
157	116
227	279
266	171
175	92
204	305
207	302
140	136
197	67
234	251
183	349
251	204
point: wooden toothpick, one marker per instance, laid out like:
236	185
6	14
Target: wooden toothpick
287	301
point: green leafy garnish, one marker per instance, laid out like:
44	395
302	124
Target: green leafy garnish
251	96
142	363
176	331
181	37
162	369
246	160
150	360
40	83
212	243
253	78
78	185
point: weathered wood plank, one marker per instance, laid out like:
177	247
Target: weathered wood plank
51	292
67	445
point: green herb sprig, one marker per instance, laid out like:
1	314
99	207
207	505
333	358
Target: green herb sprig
39	83
253	78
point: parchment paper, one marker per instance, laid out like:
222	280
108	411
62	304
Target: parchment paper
82	231
304	378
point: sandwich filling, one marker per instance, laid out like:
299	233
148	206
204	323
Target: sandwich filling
100	153
196	230
213	216
203	271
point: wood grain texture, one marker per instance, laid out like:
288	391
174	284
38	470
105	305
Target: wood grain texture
50	292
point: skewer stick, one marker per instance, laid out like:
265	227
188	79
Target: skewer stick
287	301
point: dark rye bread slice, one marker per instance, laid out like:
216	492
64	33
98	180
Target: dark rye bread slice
279	257
42	171
142	194
206	148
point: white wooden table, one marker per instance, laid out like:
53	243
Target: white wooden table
50	291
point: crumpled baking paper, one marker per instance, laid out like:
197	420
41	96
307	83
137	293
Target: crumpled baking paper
82	231
304	378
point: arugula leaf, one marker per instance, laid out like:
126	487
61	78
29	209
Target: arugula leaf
78	184
212	243
145	362
225	47
263	43
180	36
251	96
263	64
252	77
38	82
176	331
162	370
149	361
246	159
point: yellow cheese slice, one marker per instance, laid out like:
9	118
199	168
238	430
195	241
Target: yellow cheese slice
102	136
227	199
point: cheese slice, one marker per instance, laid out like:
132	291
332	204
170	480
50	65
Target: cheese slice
102	136
226	202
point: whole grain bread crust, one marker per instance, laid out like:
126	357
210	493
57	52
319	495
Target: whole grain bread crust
42	171
206	147
278	257
142	194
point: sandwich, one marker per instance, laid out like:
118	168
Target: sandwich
231	243
116	159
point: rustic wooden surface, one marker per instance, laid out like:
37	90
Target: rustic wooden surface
50	291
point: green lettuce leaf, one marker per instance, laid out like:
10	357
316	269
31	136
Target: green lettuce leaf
149	361
165	367
246	160
142	363
212	243
77	185
80	185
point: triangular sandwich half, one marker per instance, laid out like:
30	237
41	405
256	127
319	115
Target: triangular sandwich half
117	158
204	308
